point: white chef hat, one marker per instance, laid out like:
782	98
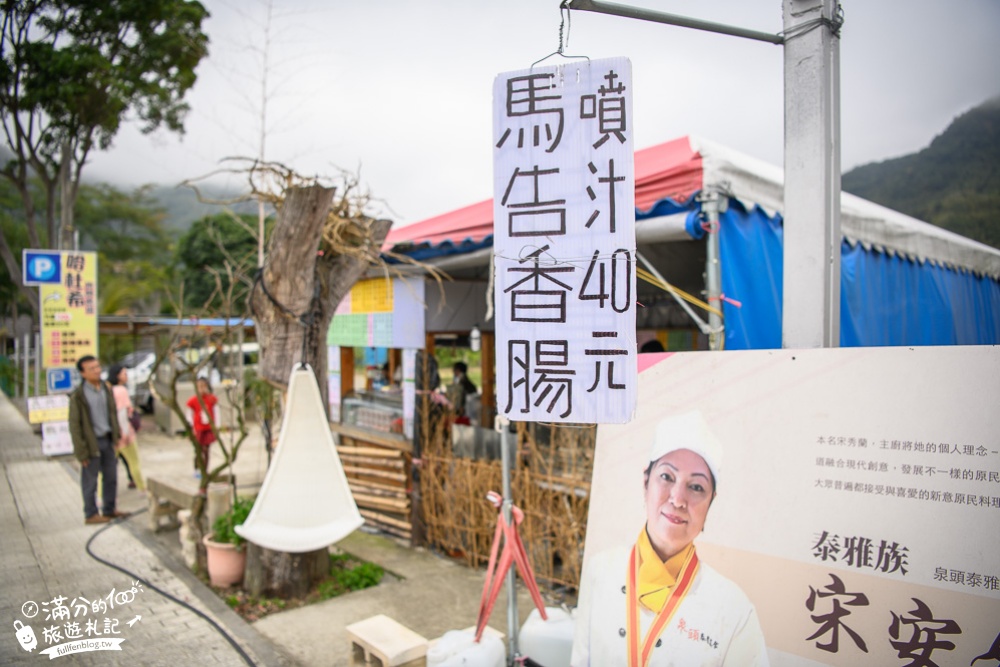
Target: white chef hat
688	430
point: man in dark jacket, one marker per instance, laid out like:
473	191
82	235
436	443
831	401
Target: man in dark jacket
93	426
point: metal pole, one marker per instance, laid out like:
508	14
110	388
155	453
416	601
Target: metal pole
38	364
512	649
812	238
711	204
811	290
26	349
242	368
672	19
20	360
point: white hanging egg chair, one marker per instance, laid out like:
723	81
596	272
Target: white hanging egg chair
305	503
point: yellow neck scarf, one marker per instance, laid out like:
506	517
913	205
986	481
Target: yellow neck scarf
656	578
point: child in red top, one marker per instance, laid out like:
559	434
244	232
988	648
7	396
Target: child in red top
202	418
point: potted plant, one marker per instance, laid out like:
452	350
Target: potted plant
226	550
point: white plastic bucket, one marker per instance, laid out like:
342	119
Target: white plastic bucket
549	643
458	648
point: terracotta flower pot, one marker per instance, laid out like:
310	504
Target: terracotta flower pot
225	562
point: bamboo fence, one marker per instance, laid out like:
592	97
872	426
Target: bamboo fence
550	482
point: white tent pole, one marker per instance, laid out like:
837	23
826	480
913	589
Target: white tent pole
712	203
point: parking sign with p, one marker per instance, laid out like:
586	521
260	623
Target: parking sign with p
41	267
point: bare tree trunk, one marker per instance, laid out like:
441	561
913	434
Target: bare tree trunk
337	275
64	241
307	286
284	295
284	575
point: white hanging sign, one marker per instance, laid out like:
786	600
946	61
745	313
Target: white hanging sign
564	243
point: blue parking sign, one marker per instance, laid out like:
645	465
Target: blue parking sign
61	379
41	267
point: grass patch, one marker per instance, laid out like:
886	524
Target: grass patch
347	573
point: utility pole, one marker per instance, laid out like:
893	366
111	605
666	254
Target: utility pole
265	55
64	240
810	315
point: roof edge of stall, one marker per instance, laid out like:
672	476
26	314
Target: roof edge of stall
676	170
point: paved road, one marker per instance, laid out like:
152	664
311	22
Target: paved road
44	561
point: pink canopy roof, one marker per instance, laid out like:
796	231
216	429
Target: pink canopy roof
669	170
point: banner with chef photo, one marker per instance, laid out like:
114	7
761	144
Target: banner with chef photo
857	503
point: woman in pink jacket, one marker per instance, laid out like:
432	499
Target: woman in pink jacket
128	449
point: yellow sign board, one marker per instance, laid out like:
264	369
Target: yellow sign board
372	296
69	312
42	409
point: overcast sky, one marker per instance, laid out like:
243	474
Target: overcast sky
403	87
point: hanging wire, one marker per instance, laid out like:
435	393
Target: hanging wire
307	319
565	24
834	24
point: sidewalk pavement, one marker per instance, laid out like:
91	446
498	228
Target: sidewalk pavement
43	558
53	586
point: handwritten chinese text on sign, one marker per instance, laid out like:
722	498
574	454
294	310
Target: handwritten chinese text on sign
564	243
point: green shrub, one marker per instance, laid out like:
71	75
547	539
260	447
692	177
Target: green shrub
224	528
365	575
8	375
344	578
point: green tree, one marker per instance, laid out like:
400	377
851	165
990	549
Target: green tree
16	233
216	252
121	225
126	229
70	71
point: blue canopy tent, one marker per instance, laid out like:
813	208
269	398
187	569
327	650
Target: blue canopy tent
887	297
903	281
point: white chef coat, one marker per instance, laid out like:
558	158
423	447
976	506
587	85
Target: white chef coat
715	625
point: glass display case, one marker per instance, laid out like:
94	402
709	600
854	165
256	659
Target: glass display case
373	411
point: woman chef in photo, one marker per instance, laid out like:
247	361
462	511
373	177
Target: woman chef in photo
652	602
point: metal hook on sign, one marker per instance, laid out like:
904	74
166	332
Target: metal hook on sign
564	28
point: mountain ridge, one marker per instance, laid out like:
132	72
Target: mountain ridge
953	183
